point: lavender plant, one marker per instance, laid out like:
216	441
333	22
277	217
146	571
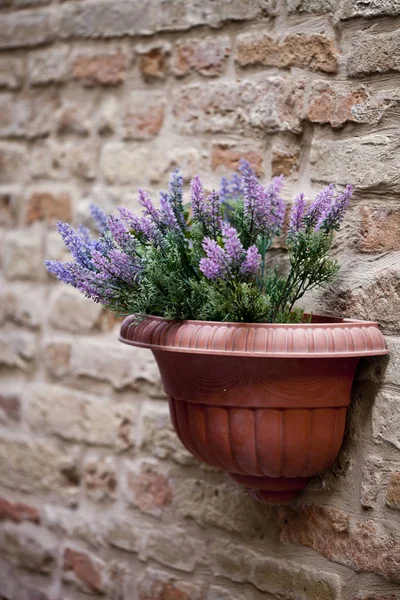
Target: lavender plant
207	259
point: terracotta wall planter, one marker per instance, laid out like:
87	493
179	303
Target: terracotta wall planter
265	402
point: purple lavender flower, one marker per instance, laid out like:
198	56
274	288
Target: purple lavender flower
75	244
64	271
232	244
116	265
149	210
257	204
206	211
321	203
168	215
333	215
121	234
175	196
252	262
99	217
215	266
197	197
296	219
141	226
278	205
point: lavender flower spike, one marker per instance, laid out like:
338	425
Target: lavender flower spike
334	215
99	217
197	197
233	246
215	266
252	262
168	215
321	203
296	223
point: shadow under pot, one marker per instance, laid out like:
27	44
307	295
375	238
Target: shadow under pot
266	402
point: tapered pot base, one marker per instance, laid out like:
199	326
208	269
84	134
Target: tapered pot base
271	490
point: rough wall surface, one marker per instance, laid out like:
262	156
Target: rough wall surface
97	496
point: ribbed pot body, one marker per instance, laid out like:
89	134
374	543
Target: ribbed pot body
265	402
269	422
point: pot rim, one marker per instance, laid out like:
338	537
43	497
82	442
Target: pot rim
326	337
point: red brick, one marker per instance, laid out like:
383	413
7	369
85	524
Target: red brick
145	121
228	156
393	491
18	512
49	207
84	568
316	52
207	56
285	163
104	69
379	229
337	106
153	64
362	545
148	489
157	585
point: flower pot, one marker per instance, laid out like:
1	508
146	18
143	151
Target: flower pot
265	402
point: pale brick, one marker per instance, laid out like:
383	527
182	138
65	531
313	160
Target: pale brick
17	348
275	576
148	488
311	6
153	62
368	8
27	549
123	164
27	117
82	161
158	436
11	72
121	534
100	478
143	118
173	547
29	3
22	256
393	491
71	311
363	545
101	69
207	57
78	417
156	585
79	525
36	468
118	365
48	66
56	357
272	105
29	305
13	162
376	474
15	587
386	418
8	207
10	407
368	161
229	155
217	592
379	53
28	28
316	52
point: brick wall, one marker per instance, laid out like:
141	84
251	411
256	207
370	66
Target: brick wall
97	496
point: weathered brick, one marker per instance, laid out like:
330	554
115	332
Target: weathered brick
27	28
217	592
375	477
279	577
148	488
364	546
17	348
28	549
274	104
79	525
13	162
207	57
337	105
36	468
10	407
118	365
27	309
143	119
71	311
379	53
316	52
187	159
386	418
85	570
311	6
368	8
27	117
379	229
22	256
15	587
79	417
29	3
11	72
229	155
8	208
75	115
18	512
48	66
100	478
366	162
49	207
284	162
158	436
56	357
153	62
156	585
101	69
393	491
82	161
